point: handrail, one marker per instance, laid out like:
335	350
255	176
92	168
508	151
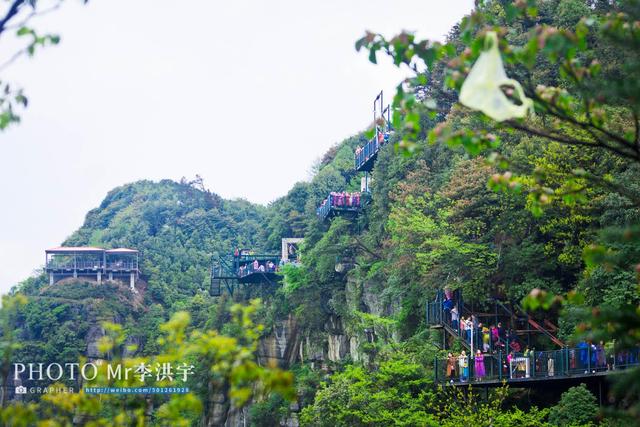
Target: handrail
550	325
435	315
533	323
544	331
535	365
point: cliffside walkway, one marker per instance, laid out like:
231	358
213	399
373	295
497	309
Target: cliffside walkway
538	369
503	361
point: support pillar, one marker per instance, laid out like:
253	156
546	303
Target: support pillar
75	273
51	281
99	277
111	275
132	281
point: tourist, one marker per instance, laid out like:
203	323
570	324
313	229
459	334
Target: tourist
463	362
584	355
515	345
256	265
451	366
528	354
479	365
486	339
509	359
447	305
494	335
601	360
463	326
609	349
469	328
550	367
454	318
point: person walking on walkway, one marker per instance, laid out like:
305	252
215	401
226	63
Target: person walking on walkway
451	366
454	318
463	363
486	339
479	366
551	366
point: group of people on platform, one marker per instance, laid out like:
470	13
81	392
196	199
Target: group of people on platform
340	200
586	358
500	349
458	366
256	266
599	357
493	338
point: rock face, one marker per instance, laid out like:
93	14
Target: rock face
338	347
288	344
337	341
95	332
281	346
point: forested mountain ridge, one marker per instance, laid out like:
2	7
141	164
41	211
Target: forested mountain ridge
177	227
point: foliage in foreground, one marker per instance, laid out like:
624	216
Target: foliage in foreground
222	364
577	407
399	393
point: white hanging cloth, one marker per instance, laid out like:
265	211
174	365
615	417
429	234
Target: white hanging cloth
481	89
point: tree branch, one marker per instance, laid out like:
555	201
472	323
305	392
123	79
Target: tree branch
34	14
571	141
11	13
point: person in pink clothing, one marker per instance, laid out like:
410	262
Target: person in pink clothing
479	366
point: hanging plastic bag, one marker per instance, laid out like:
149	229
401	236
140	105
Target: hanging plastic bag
481	89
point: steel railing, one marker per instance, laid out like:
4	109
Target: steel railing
563	363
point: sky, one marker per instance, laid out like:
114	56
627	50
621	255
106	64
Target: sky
246	93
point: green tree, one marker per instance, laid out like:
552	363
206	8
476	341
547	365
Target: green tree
394	394
577	407
226	365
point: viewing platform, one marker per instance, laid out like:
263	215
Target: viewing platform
500	347
340	204
534	369
256	268
247	267
92	263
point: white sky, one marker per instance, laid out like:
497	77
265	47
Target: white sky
245	93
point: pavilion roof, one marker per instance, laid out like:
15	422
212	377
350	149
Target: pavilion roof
70	249
91	249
